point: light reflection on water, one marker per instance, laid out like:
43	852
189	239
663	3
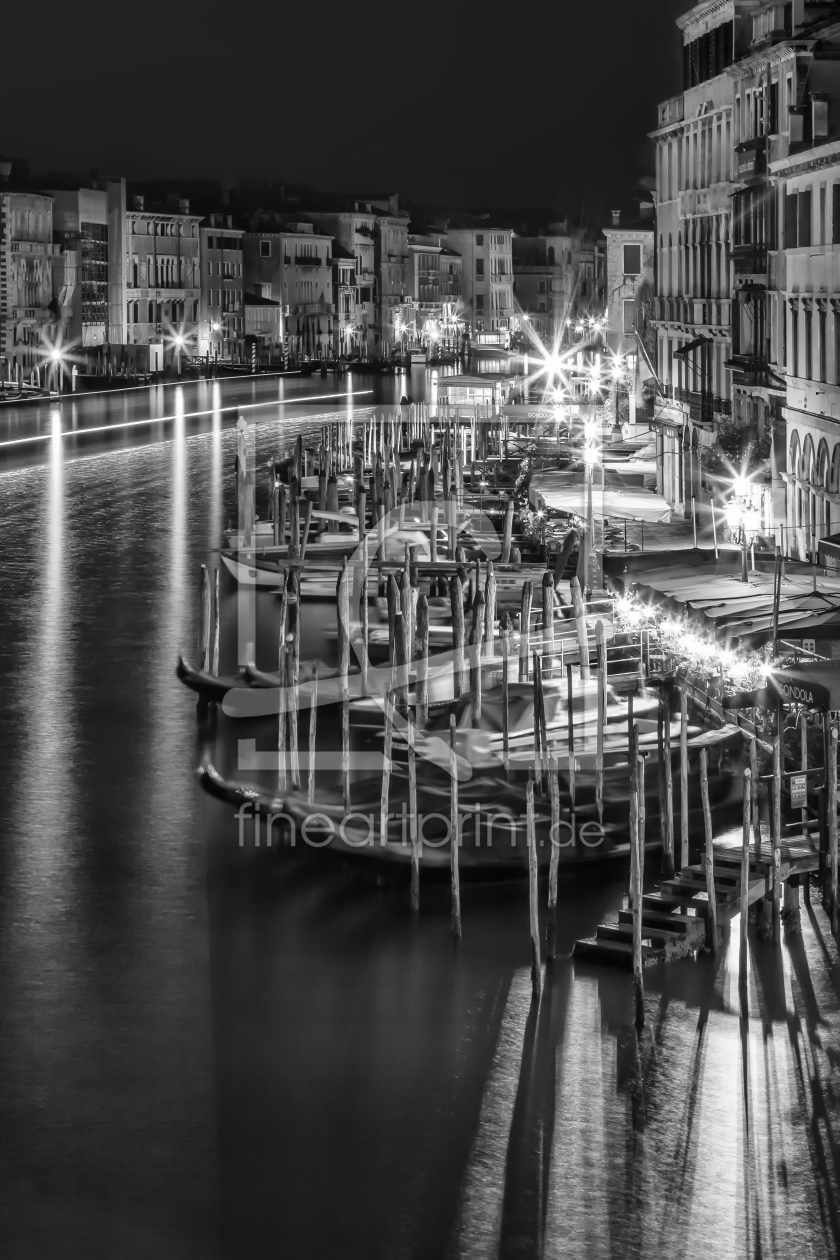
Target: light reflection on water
208	1051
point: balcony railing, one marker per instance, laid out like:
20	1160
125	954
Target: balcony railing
708	312
749	260
671	111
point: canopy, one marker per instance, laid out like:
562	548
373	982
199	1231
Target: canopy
626	504
814	684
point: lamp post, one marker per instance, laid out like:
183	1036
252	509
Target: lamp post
743	516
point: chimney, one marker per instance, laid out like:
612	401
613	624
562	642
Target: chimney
139	202
5	172
184	205
616	217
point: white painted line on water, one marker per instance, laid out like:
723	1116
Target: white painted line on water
187	415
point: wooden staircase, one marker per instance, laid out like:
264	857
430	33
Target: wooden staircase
674	915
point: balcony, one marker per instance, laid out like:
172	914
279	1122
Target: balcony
751	159
772	23
307	260
750	370
749	260
704	312
671	111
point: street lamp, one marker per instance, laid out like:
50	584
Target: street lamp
743	516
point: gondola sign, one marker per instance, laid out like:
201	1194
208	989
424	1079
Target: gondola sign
798	790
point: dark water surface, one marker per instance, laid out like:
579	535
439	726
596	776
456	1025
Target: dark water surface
208	1051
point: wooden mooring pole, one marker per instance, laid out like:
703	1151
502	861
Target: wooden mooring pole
412	813
533	891
711	920
455	831
637	884
684	832
745	874
554	859
525	631
832	823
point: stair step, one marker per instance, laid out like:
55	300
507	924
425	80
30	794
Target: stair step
617	953
624	932
662	919
665	901
692	887
724	874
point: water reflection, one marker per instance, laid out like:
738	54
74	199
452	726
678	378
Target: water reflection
212	1051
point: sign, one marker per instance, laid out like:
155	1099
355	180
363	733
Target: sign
798	790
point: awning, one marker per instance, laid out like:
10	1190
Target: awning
625	504
814	684
692	345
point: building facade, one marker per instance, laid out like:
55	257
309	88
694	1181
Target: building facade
80	228
29	315
154	280
630	260
221	332
355	230
433	292
692	309
295	261
391	265
486	278
786	218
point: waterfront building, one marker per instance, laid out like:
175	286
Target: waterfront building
222	330
391	261
295	261
29	313
786	221
263	325
433	292
692	308
347	336
80	228
486	250
355	229
154	279
559	279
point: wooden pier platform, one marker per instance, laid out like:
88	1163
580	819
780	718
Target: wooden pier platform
674	913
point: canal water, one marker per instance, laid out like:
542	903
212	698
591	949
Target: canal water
215	1051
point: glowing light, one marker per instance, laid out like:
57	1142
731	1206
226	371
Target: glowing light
590	454
732	512
56	354
742	487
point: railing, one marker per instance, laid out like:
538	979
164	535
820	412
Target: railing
749	260
671	111
714	312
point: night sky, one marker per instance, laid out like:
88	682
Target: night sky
474	105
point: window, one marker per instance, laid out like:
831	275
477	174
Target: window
632	260
773	112
835	214
629	316
808	345
541	306
265	249
823	239
479	266
805	218
479	302
479	238
541	286
823	374
798	219
794	341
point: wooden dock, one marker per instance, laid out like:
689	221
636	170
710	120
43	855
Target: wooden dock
674	914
